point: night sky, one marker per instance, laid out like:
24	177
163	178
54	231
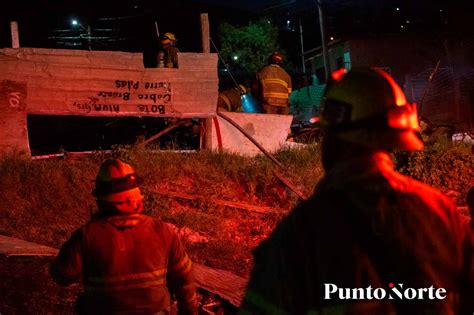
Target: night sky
128	25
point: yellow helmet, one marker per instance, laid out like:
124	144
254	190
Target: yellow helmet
117	183
168	38
367	107
243	89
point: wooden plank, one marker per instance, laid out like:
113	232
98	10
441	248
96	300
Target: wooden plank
75	82
220	202
103	59
206	47
221	282
14	32
10	246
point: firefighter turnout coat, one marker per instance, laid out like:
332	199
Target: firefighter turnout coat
171	56
230	100
366	226
127	263
274	86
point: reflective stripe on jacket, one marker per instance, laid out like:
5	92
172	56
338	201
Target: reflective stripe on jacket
127	263
274	85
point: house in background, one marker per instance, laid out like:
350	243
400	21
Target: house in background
398	55
447	100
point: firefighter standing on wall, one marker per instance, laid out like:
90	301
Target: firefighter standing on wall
272	86
127	261
168	54
366	225
231	100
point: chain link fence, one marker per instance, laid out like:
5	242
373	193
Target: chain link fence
445	100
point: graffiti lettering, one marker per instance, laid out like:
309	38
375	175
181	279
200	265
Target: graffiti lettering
157	85
123	95
14	99
154	97
107	108
83	107
92	105
130	84
160	109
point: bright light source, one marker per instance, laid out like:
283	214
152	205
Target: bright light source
268	22
236	57
440	10
287	21
402	26
398	9
74	22
408	22
331	38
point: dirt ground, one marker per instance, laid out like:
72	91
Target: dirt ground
27	288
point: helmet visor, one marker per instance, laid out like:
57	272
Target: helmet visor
122	197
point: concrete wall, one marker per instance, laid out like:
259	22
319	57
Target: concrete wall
268	130
99	83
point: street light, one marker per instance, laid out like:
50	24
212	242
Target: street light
75	22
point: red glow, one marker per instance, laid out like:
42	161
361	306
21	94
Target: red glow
400	98
404	118
339	74
314	120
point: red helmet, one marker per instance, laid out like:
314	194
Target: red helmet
276	57
117	184
366	106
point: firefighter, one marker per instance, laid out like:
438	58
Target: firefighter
366	226
129	263
272	86
231	100
168	55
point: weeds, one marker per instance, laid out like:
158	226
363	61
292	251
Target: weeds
45	201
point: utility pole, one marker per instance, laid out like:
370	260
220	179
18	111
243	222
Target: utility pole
89	20
89	35
302	46
322	26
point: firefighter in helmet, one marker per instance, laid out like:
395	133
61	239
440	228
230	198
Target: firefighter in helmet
366	226
168	54
272	86
230	100
128	262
